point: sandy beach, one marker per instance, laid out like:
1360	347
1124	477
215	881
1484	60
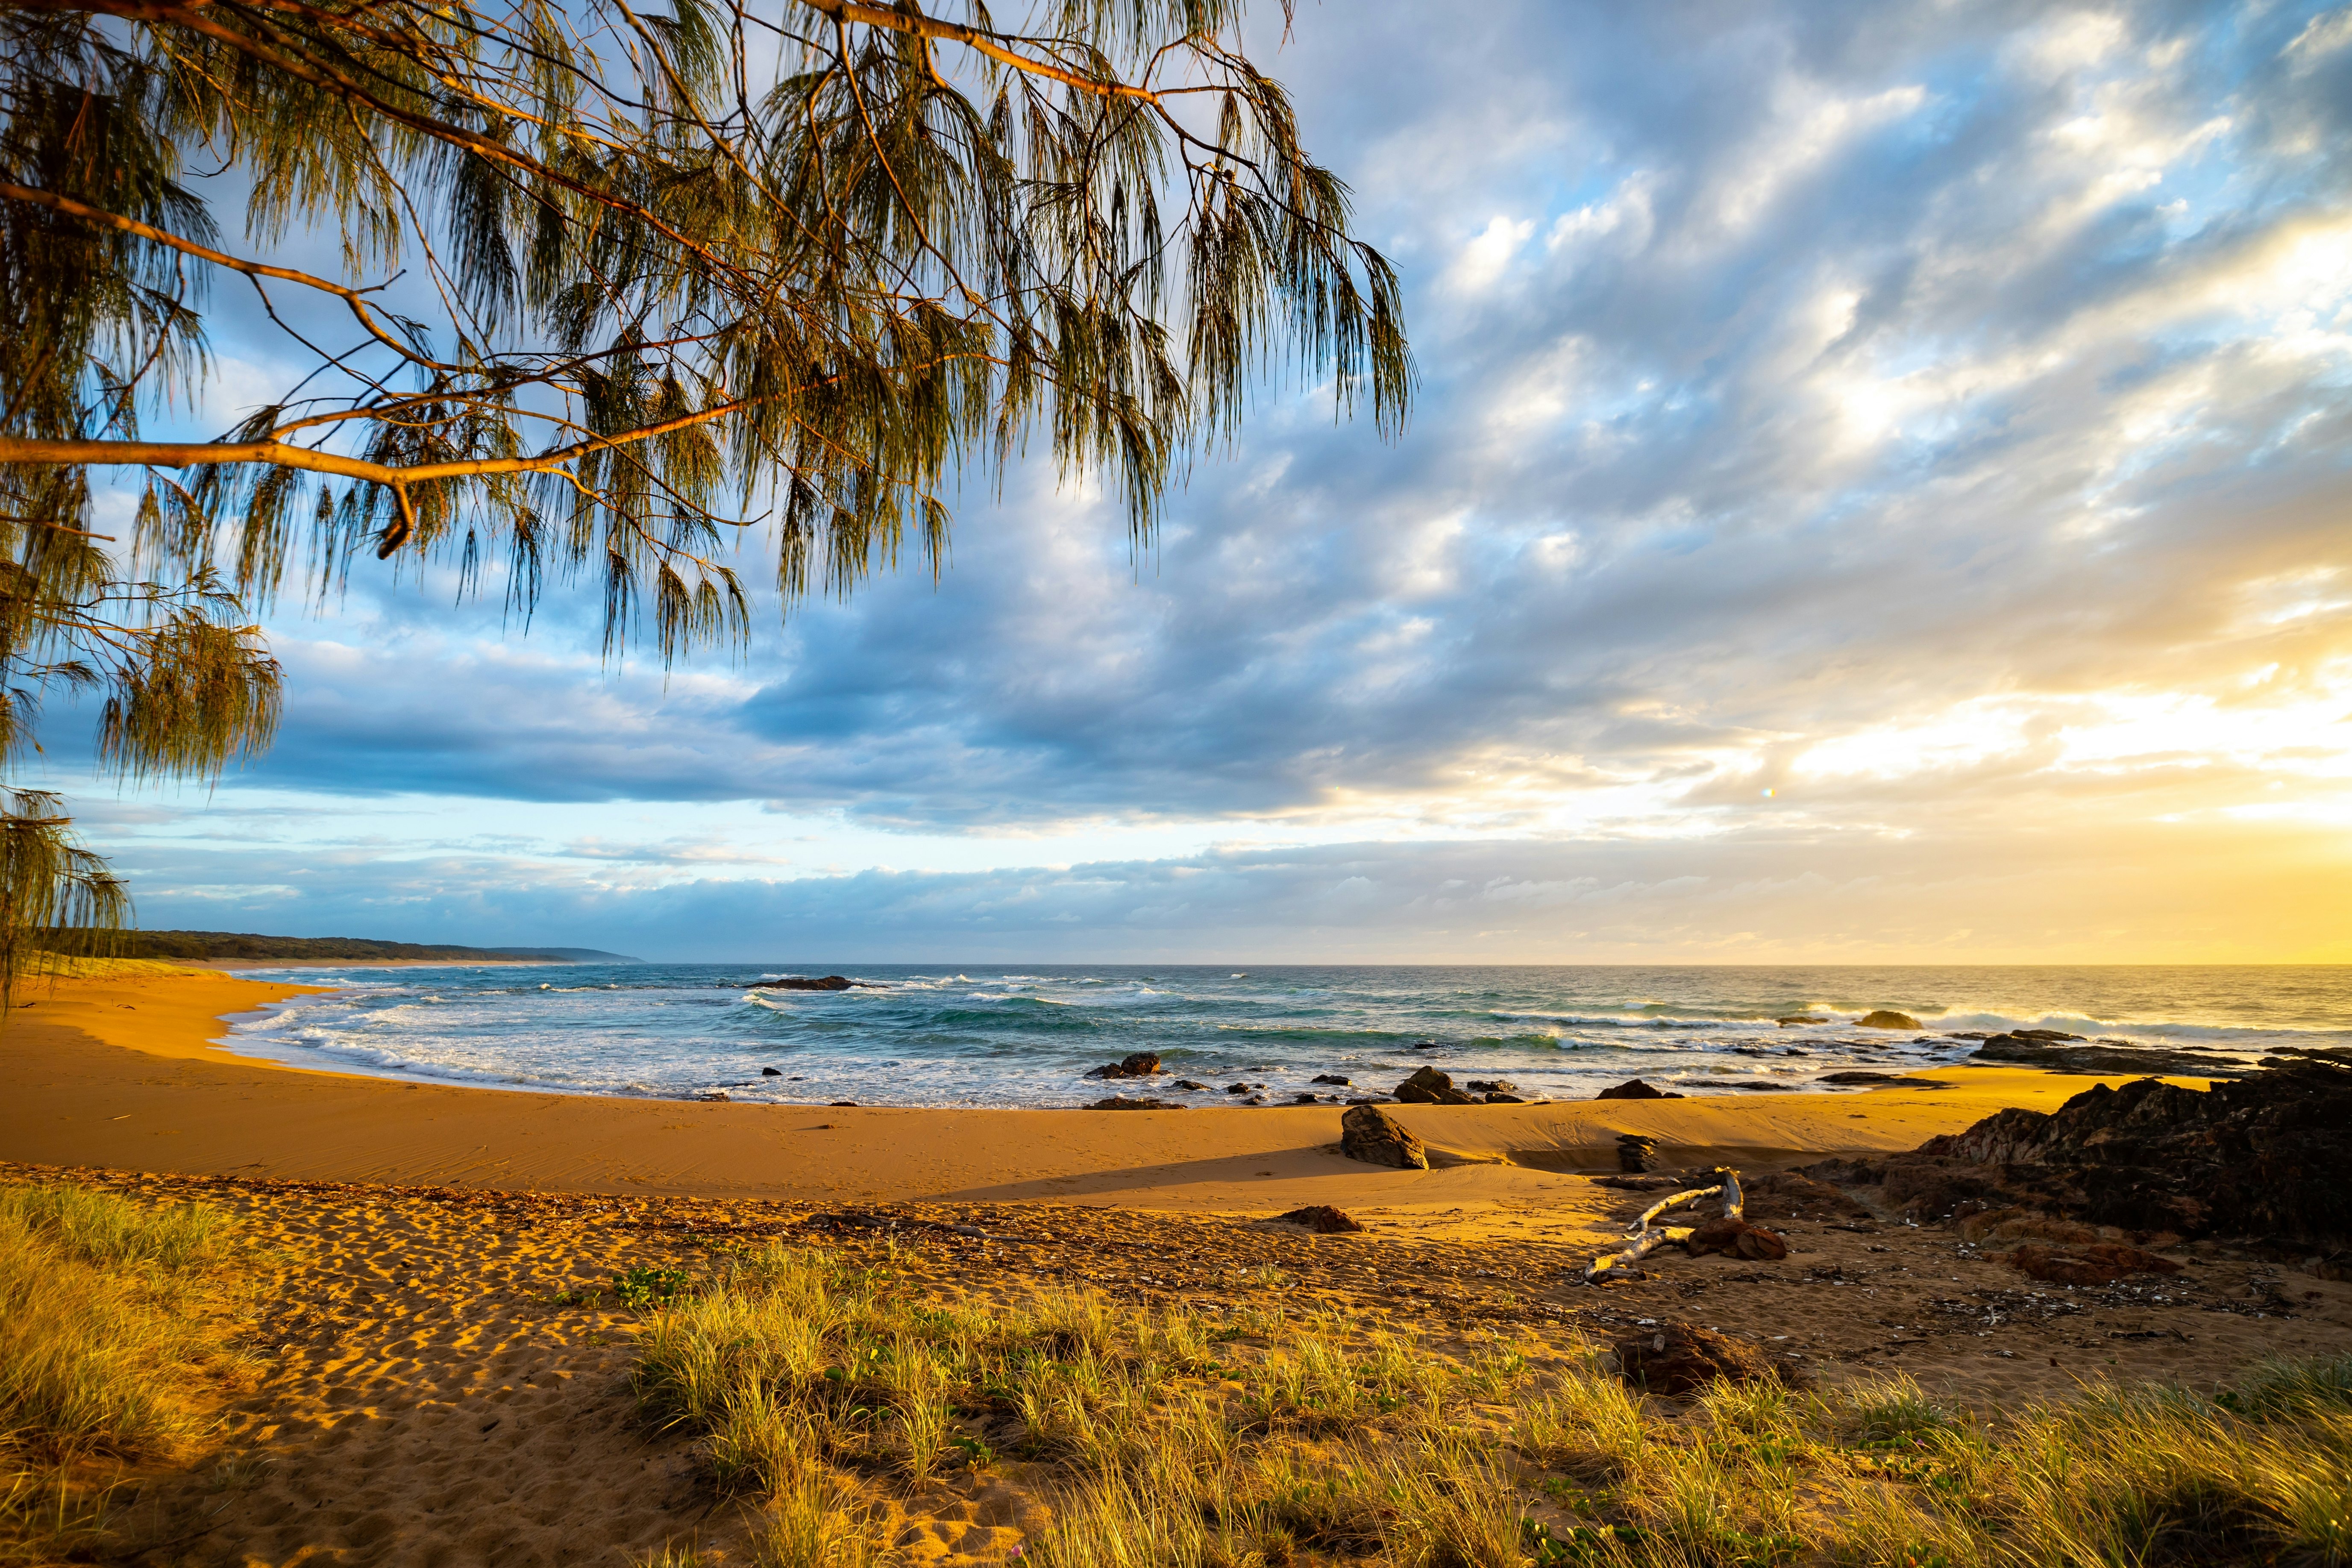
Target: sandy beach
436	1373
121	1074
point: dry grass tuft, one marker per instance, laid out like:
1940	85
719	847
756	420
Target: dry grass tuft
97	1347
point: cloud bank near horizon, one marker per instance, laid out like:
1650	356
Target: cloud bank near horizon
1879	486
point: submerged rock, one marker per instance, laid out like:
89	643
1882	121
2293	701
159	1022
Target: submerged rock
2047	1049
823	982
1135	1064
1370	1134
1887	1019
772	1072
1193	1084
1795	1018
1330	1077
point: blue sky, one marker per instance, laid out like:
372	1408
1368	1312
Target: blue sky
1878	492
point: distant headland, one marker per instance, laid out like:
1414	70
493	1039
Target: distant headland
217	946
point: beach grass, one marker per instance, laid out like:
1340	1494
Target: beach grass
1158	1436
97	1350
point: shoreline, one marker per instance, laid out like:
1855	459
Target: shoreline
120	1074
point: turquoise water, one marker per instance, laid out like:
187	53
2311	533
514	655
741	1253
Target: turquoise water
998	1035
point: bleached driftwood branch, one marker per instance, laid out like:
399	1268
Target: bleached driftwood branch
1646	1238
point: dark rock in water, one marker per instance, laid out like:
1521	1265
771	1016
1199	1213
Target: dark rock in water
1237	1088
1683	1358
1959	1036
772	1072
1321	1218
1633	1151
1887	1019
1497	1097
2045	1035
2089	1263
1490	1086
1795	1018
1143	1102
1759	1086
1370	1134
1135	1064
2103	1061
1793	1051
1328	1078
825	983
1303	1096
1634	1089
1427	1086
1890	1078
1254	1099
2261	1157
1427	1046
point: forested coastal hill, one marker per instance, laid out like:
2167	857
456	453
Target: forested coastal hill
219	944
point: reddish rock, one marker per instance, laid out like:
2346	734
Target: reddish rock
1683	1358
1738	1239
2086	1263
1321	1218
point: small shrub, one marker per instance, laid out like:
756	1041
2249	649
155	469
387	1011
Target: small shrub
642	1288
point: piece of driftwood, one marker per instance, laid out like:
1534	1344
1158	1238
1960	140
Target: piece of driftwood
1645	1237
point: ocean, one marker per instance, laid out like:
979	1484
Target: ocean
996	1034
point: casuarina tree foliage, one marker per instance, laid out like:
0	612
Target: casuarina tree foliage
609	288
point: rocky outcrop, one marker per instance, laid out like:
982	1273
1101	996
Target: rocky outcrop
1634	1089
2260	1157
1683	1358
1135	1064
1144	1102
1321	1218
1887	1019
1795	1018
1427	1086
823	982
2048	1049
1370	1134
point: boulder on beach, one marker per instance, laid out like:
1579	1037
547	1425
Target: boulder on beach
1683	1358
1427	1086
1885	1019
1736	1238
1321	1218
1370	1134
1634	1089
1135	1064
